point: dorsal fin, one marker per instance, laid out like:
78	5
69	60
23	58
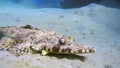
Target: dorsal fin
27	26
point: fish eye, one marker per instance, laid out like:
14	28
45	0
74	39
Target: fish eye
62	41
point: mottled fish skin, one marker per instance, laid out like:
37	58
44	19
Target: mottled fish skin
26	39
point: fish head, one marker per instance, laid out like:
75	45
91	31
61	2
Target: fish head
62	45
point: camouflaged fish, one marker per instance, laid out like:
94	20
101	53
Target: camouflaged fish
26	39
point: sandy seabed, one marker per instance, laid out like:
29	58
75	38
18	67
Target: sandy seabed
94	24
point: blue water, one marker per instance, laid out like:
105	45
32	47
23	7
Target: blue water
57	3
32	3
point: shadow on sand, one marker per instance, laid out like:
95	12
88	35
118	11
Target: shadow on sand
68	56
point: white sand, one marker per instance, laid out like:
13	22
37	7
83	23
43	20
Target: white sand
95	25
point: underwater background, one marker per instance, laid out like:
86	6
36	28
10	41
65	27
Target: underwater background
56	3
93	22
